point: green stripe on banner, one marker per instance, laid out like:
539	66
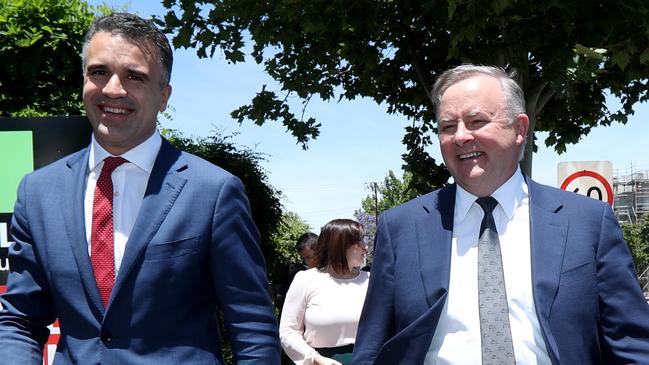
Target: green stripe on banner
16	160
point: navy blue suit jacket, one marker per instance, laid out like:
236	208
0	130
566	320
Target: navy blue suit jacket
193	249
586	292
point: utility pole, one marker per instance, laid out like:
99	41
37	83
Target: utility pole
375	187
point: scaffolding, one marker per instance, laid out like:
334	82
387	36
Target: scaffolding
631	195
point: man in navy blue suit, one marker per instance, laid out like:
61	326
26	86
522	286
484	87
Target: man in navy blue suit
570	291
135	262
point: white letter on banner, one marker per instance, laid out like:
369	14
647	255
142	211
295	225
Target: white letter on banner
4	237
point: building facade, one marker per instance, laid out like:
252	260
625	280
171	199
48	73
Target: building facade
631	195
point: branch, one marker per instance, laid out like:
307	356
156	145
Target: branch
419	69
533	96
304	106
545	96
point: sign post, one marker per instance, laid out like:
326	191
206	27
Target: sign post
589	178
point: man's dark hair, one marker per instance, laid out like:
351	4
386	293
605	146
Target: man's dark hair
307	240
141	32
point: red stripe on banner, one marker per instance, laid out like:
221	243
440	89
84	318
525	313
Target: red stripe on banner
49	350
50	347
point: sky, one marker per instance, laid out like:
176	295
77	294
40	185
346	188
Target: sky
358	142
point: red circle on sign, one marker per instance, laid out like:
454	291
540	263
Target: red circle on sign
600	178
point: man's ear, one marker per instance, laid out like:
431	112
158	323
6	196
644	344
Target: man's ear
522	125
166	94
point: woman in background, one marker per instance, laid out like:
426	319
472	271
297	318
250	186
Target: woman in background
323	304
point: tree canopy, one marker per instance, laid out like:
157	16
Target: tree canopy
291	227
40	48
568	56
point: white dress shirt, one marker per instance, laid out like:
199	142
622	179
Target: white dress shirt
457	337
127	198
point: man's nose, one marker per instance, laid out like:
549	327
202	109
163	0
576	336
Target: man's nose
462	135
114	87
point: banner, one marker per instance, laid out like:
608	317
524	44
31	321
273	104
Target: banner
27	144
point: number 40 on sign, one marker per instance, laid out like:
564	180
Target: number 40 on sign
590	178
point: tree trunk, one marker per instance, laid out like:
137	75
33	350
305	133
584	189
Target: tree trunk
536	95
532	96
526	162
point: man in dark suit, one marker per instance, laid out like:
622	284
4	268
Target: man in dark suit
135	262
496	259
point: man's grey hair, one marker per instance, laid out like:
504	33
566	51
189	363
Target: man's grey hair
514	98
141	32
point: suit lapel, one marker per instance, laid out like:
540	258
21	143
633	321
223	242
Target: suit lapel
434	236
75	224
548	234
163	188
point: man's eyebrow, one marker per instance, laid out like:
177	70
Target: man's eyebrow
95	66
446	120
478	111
141	74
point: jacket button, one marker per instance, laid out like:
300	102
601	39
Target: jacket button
106	337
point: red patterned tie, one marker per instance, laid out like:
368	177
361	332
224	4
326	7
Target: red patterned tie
102	252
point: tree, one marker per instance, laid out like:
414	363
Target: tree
568	57
291	227
637	237
40	48
369	224
392	192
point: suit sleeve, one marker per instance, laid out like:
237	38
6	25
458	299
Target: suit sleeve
27	307
239	276
624	311
376	325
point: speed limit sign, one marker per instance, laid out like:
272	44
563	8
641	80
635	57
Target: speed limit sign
590	178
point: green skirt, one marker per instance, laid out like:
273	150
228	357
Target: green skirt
342	354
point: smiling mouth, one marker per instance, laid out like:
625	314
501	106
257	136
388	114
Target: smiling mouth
114	110
470	155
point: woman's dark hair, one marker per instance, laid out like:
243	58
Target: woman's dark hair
335	237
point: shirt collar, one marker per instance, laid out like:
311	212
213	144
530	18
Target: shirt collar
509	196
142	155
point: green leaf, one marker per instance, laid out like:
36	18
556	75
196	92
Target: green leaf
644	57
592	53
499	6
183	38
451	8
235	56
621	59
